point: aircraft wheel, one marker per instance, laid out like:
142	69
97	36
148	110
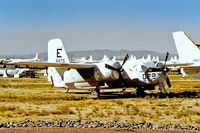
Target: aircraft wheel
67	90
94	94
124	90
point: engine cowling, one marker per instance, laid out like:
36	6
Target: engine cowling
102	74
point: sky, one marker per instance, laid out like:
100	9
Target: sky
26	26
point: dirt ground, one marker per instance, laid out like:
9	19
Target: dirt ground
35	99
74	130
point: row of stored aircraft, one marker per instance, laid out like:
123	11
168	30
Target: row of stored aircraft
142	75
106	59
16	71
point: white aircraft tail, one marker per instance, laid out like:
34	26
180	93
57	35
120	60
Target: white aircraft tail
57	54
187	50
36	57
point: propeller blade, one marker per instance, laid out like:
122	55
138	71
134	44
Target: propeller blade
110	67
166	57
125	59
168	82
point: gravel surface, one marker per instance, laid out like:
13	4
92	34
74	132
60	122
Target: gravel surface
96	125
89	130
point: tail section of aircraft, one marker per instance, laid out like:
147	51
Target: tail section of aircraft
187	50
57	54
36	57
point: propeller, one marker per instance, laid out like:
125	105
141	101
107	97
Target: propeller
166	57
119	68
166	70
168	82
125	59
159	68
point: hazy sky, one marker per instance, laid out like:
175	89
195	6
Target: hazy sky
27	25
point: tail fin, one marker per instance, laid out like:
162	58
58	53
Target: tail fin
57	54
36	57
188	51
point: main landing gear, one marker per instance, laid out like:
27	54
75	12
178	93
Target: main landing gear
95	93
162	88
124	90
66	90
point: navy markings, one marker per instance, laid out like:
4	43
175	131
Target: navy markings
196	60
58	53
150	75
59	57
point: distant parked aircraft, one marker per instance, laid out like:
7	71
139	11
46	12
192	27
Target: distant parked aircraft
189	55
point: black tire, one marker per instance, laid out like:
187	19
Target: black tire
94	94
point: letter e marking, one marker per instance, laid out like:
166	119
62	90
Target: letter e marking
58	53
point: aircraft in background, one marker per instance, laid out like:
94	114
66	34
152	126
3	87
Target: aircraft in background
4	62
36	58
95	76
12	72
16	71
189	55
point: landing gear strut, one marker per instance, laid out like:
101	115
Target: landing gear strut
162	88
66	90
124	90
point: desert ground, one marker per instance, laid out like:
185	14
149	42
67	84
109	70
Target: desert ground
34	99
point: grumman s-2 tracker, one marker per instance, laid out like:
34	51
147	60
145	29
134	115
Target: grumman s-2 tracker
96	76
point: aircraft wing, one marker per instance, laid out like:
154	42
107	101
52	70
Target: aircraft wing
185	65
191	67
48	64
179	65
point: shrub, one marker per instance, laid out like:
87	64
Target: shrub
197	120
116	119
8	114
8	108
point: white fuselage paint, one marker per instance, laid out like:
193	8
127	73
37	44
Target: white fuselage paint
73	79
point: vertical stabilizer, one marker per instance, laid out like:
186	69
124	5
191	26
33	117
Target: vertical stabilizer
36	57
57	54
187	50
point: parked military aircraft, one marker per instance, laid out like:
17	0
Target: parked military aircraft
7	70
12	72
189	54
36	58
129	73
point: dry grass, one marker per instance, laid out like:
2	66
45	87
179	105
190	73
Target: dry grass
22	99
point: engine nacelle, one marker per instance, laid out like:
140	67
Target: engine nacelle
104	74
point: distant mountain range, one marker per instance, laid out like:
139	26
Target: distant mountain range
97	54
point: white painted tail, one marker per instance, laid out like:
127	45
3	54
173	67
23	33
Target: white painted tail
187	50
36	57
57	54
